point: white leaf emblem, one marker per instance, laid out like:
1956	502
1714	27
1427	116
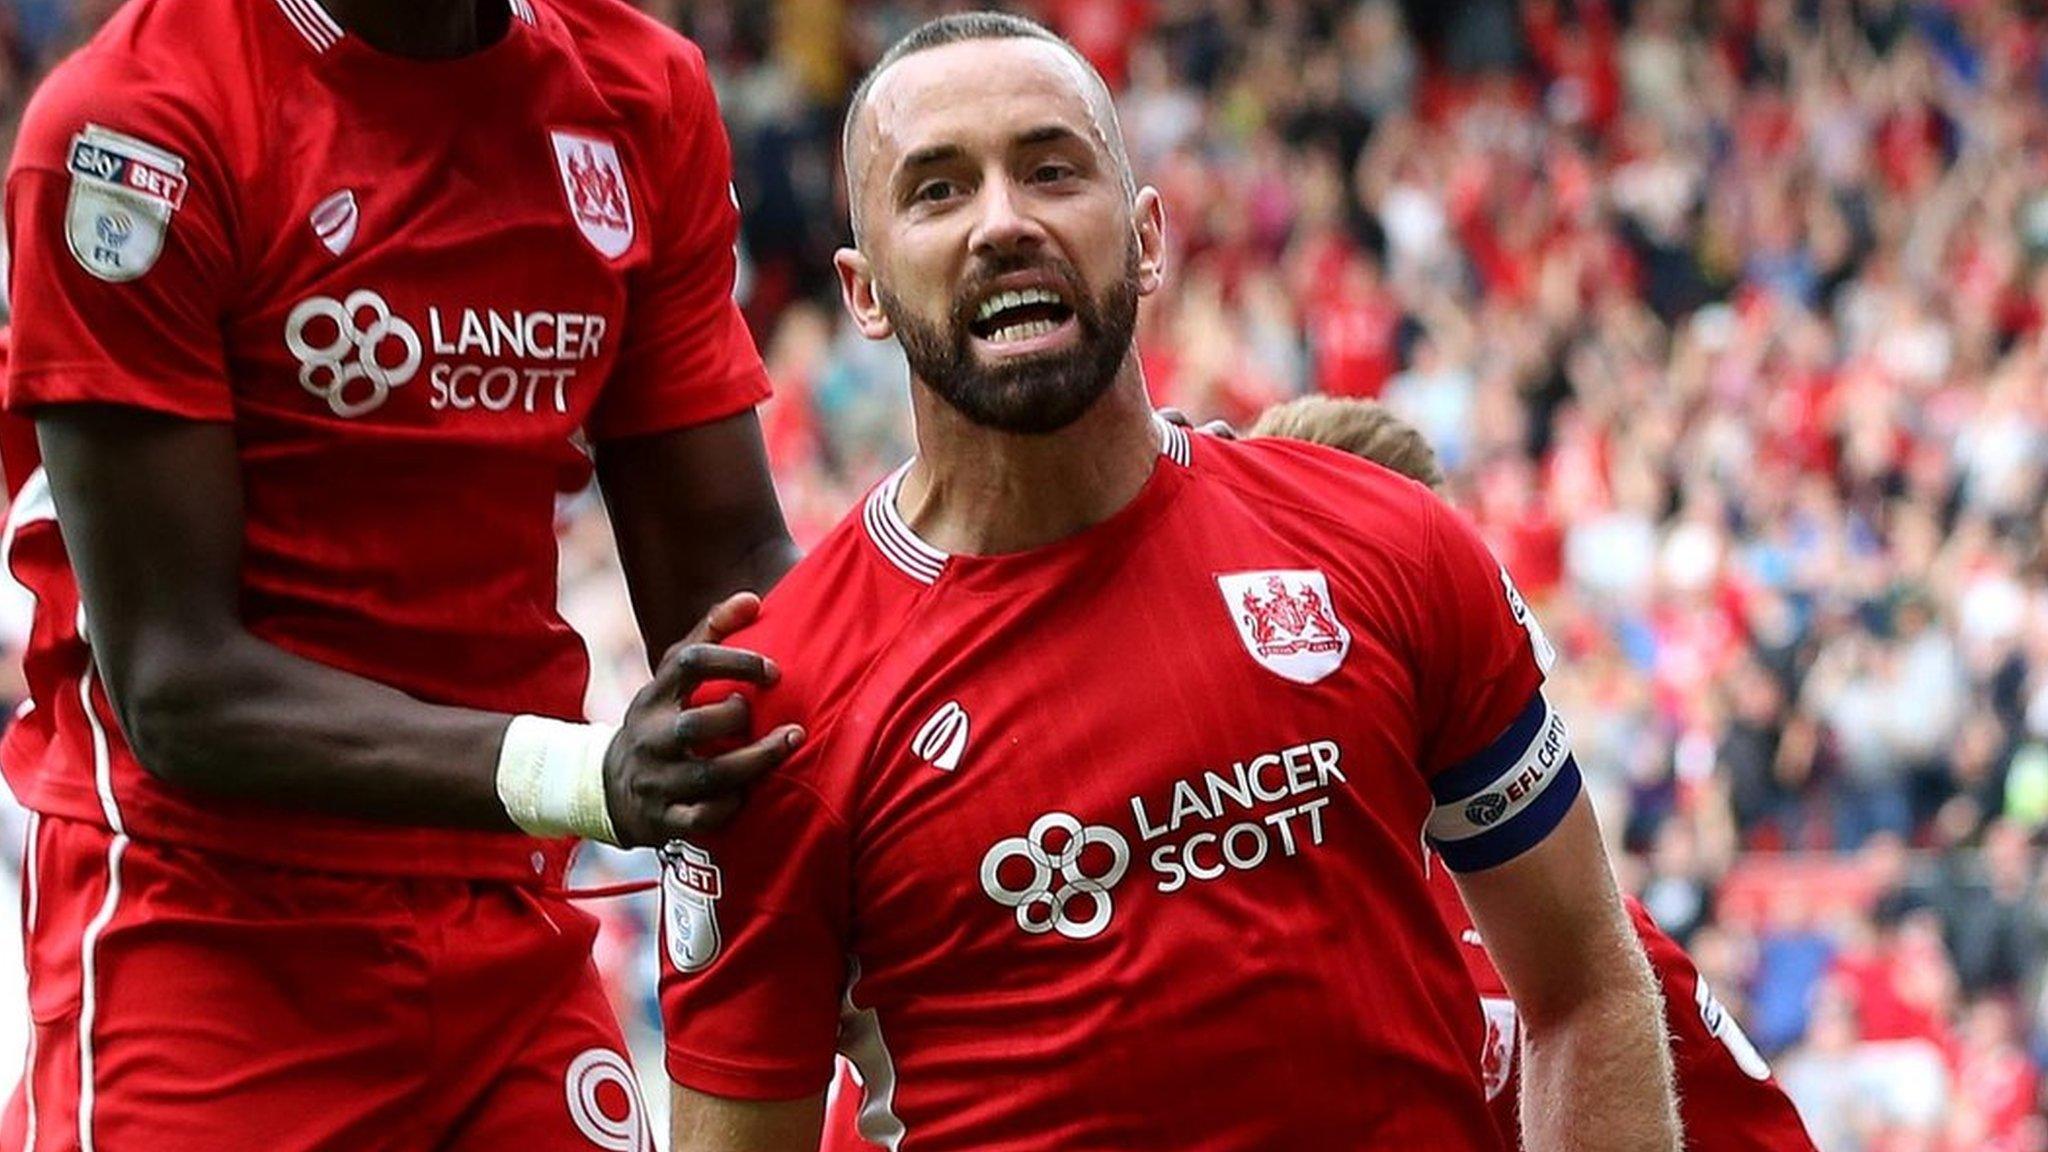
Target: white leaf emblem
943	739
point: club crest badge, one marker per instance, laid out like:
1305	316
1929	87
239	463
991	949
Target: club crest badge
690	887
1503	1024
1287	621
595	182
124	192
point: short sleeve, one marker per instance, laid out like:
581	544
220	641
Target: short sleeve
754	929
121	261
687	357
1497	756
1714	1060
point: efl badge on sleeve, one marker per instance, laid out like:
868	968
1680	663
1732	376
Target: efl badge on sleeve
690	887
1724	1028
595	182
1503	1025
123	194
1546	653
1287	621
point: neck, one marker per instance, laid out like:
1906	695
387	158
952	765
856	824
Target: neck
423	29
978	491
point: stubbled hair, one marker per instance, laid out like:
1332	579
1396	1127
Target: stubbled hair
959	28
1361	427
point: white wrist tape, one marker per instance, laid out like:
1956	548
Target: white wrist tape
551	777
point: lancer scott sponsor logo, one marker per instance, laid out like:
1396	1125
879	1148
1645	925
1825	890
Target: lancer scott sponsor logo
354	352
1273	804
552	342
1200	828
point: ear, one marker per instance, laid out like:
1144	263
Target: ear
857	292
1149	219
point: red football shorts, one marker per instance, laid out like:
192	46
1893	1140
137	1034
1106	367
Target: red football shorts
189	1002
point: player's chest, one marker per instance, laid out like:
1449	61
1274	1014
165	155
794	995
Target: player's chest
466	283
1195	753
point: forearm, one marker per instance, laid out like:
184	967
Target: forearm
1598	1077
759	567
668	605
696	519
1596	1073
701	1123
254	722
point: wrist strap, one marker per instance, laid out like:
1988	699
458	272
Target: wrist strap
551	777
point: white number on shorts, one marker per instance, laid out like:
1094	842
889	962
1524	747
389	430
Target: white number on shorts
588	1074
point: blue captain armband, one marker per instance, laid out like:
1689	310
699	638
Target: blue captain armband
1504	799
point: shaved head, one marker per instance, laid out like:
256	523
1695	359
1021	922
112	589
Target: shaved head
857	135
999	236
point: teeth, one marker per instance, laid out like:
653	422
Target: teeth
1021	331
1002	300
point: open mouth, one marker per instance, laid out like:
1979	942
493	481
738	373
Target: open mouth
1017	315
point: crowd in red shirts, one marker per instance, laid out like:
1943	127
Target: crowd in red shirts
1730	322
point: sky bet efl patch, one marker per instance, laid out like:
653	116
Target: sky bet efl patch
123	194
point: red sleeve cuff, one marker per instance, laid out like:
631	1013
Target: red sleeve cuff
191	399
715	1077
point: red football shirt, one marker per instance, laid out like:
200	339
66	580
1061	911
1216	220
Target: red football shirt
409	285
1726	1095
1118	842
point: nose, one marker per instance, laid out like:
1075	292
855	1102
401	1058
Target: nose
1003	226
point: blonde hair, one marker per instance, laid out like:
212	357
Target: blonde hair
1361	427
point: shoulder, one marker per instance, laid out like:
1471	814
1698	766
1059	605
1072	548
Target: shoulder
616	32
825	624
164	73
638	63
1309	490
828	625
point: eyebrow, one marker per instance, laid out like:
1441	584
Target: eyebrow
932	154
942	153
1050	134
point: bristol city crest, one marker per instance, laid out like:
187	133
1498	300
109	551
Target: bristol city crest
595	182
1287	621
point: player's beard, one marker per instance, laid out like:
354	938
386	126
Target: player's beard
1030	396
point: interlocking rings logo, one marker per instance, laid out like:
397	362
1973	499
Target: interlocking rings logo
356	351
1059	877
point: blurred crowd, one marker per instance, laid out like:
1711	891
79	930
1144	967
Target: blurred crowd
1729	319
